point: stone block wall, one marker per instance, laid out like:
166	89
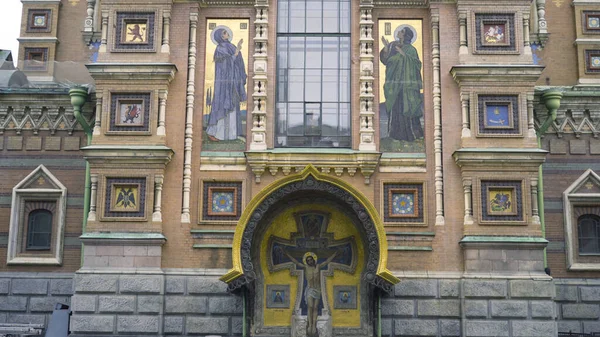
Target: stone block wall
470	307
154	304
578	305
30	297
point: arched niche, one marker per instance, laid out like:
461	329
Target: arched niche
257	254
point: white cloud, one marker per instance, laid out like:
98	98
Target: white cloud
10	25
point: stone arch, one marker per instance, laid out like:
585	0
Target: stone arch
310	180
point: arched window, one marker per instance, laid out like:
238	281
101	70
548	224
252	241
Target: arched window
588	228
39	230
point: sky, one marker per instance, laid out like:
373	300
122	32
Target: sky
10	22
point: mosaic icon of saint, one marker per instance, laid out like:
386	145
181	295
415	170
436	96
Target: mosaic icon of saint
229	89
403	84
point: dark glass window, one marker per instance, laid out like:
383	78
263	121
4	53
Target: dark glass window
313	73
39	230
588	229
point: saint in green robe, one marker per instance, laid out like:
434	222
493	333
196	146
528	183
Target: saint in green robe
402	91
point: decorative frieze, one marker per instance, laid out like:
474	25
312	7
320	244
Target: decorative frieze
258	140
367	115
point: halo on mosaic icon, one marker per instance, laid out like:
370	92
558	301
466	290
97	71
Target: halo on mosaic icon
311	254
414	31
596	61
594	22
212	34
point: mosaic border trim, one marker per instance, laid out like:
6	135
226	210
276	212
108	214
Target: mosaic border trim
480	47
115	127
513	100
120	18
208	186
31	13
140	214
516	185
418	218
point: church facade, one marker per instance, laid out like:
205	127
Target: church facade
303	168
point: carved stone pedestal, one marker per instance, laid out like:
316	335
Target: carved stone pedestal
299	324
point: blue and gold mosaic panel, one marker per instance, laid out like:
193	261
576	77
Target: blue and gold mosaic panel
39	20
135	32
129	112
495	33
222	201
498	115
501	200
125	198
591	22
592	61
344	297
403	203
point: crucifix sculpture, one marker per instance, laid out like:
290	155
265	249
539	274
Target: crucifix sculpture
301	255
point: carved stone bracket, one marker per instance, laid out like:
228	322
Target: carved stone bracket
336	162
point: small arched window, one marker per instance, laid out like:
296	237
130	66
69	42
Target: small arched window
588	228
39	230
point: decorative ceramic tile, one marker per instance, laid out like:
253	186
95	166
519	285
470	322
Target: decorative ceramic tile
125	197
221	201
592	61
498	114
39	20
495	33
278	296
135	32
129	112
344	297
501	200
403	203
36	59
591	22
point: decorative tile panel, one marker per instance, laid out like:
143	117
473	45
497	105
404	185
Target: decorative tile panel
130	112
344	297
501	200
125	198
592	61
591	22
403	203
36	59
135	32
498	115
221	201
495	33
39	20
278	296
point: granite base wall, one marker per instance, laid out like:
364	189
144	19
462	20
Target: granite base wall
186	303
578	305
30	297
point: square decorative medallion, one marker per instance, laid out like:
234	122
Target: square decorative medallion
498	115
130	112
135	32
592	61
591	22
403	203
39	20
278	296
501	200
495	33
344	297
222	201
36	59
125	197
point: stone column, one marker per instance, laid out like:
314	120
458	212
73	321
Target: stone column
468	189
88	25
462	23
98	123
162	108
94	189
166	32
466	125
535	216
437	117
258	141
158	182
367	116
103	40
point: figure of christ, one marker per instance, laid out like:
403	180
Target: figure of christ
312	292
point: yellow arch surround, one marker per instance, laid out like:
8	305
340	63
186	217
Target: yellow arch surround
237	270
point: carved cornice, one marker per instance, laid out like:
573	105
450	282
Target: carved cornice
123	71
326	160
147	156
507	159
477	73
401	3
579	112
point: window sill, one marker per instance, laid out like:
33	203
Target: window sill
48	261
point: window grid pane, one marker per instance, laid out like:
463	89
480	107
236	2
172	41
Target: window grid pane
39	230
588	230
